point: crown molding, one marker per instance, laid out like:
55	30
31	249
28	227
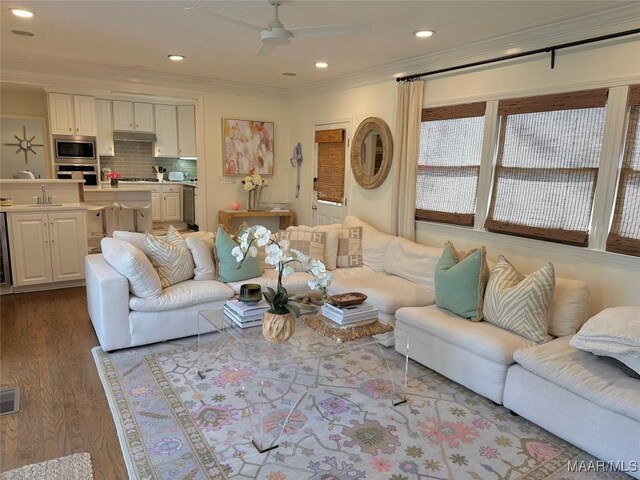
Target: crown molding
611	21
101	80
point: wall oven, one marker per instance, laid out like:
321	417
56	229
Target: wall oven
74	149
88	173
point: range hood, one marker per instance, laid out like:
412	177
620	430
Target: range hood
134	137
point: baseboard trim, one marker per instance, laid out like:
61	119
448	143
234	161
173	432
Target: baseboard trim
48	286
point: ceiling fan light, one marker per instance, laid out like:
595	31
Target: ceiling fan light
276	36
22	13
322	64
175	58
424	33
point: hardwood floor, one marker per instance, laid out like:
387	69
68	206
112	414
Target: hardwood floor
45	349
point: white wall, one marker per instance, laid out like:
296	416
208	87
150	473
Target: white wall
614	279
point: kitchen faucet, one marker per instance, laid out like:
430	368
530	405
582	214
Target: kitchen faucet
44	199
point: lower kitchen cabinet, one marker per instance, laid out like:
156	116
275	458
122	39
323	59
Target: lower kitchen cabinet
47	247
166	203
171	210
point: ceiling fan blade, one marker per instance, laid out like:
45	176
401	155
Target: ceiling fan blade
265	50
324	30
227	19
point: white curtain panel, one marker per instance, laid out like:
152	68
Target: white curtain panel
407	146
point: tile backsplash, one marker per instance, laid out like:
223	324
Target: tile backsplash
135	159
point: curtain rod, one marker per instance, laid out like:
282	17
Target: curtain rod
551	49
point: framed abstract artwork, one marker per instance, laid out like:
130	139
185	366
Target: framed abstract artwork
247	147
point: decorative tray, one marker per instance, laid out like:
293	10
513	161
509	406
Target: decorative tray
347	299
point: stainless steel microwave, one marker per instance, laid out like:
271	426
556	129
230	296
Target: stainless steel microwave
75	149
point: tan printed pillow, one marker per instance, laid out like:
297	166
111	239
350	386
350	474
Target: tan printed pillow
349	248
170	257
306	242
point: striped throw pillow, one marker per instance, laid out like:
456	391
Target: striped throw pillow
170	256
517	303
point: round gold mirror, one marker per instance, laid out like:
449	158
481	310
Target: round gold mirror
371	152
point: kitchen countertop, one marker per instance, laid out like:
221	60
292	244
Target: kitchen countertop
40	208
128	185
131	187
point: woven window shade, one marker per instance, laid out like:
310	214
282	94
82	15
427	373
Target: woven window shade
449	163
547	168
624	236
331	161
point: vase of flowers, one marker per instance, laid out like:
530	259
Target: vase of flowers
253	185
114	178
278	323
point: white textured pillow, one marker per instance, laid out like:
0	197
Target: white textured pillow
133	264
374	243
517	304
134	238
410	260
568	310
330	244
171	257
202	254
614	332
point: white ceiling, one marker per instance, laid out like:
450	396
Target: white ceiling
138	35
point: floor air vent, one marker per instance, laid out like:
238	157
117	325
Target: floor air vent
9	401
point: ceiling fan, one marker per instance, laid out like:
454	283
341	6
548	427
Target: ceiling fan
275	34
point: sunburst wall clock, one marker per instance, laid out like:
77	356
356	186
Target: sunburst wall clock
24	144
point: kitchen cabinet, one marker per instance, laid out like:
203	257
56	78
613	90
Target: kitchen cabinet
187	131
104	141
166	204
72	114
47	247
166	130
133	117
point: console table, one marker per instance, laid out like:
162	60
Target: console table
287	217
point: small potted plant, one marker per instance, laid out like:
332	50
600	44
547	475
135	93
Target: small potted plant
278	323
114	177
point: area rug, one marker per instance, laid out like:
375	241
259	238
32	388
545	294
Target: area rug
174	425
73	467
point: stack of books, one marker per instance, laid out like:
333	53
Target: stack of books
349	315
245	315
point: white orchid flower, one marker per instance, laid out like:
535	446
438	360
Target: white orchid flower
301	257
253	251
237	253
274	254
287	270
317	268
285	245
313	284
262	236
244	241
325	280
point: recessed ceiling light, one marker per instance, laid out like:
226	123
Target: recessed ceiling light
21	12
22	33
289	74
322	64
176	58
424	33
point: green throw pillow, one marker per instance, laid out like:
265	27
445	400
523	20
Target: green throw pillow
460	281
228	270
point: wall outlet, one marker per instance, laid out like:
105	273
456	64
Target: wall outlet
227	180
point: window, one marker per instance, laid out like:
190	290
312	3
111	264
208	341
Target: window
624	236
331	153
449	163
547	166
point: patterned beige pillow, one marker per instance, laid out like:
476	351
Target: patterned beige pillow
349	248
170	256
307	242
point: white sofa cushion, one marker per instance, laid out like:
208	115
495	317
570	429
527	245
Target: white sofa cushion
134	238
584	374
569	307
384	291
181	295
374	243
131	262
410	260
296	282
614	332
481	338
202	253
331	241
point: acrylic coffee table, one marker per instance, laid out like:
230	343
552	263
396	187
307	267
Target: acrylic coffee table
275	377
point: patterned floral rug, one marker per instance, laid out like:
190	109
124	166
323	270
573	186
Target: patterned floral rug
173	425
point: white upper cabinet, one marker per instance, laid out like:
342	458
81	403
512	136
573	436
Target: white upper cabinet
104	141
143	116
187	131
122	116
166	131
72	114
